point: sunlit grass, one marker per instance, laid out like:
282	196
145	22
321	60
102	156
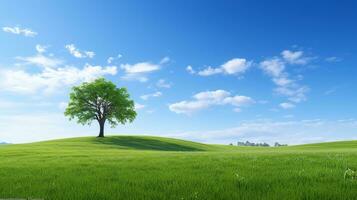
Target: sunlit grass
161	168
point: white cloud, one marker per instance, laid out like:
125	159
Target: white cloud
147	96
139	106
50	79
287	105
207	99
143	67
77	53
19	31
233	66
163	84
89	54
273	67
276	69
164	60
188	107
238	100
282	81
236	65
216	96
135	77
41	60
295	93
333	59
111	59
295	57
40	48
190	70
210	71
139	71
72	50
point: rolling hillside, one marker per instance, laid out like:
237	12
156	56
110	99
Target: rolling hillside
141	167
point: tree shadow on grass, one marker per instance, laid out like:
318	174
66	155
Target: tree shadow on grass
129	142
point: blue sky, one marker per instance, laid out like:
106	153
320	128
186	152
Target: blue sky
209	71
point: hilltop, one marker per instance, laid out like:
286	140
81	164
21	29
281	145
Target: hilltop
143	167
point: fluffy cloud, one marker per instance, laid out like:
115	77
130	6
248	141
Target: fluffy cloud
163	84
212	96
164	60
282	81
238	100
273	67
233	66
287	105
295	57
111	59
41	60
147	96
276	69
138	68
52	76
50	79
139	106
236	65
294	92
188	107
210	71
19	31
40	48
77	53
207	99
139	71
190	70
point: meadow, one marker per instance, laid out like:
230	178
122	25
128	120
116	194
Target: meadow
142	167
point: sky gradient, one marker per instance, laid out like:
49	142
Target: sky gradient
208	71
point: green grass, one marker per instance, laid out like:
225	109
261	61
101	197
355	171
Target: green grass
127	167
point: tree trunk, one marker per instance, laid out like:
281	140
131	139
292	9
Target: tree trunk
101	126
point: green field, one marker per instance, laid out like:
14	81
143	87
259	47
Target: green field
128	167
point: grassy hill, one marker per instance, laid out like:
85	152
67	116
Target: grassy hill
141	167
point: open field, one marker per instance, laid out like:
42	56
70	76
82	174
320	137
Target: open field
127	167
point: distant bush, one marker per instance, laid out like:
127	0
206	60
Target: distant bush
276	144
252	144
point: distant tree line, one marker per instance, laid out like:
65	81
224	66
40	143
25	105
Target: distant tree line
276	144
252	144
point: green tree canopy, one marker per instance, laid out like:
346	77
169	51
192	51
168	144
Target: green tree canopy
100	100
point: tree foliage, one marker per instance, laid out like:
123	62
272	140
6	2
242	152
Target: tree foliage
100	100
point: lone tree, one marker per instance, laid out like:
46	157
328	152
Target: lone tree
100	100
